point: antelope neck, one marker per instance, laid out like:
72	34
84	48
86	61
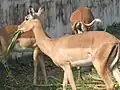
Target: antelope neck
43	41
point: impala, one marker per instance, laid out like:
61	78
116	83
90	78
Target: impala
84	15
94	47
27	40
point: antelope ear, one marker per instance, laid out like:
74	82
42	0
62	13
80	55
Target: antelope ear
40	11
31	10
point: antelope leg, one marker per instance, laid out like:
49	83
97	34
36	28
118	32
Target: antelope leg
65	81
69	74
35	57
42	64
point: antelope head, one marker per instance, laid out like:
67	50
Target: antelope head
32	14
26	25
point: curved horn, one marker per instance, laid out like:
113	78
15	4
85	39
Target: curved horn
95	20
40	10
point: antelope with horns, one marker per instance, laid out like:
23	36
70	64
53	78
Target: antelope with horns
26	40
94	47
84	15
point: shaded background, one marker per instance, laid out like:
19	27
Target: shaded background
57	12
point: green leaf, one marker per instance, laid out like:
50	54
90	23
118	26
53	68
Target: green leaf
16	34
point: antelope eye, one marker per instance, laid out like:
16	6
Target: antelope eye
26	19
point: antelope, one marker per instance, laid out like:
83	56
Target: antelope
26	40
84	15
94	47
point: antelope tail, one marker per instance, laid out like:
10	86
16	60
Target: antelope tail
116	57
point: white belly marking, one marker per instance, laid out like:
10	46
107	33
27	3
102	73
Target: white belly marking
84	62
81	63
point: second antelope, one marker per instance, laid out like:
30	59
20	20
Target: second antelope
84	15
